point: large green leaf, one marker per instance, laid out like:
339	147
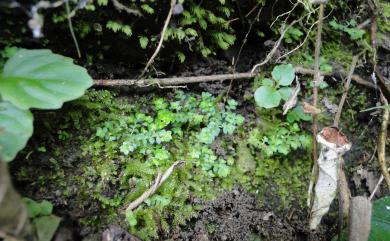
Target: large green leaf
380	220
267	97
16	127
41	79
284	74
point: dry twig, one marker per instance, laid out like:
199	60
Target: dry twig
167	20
160	179
209	78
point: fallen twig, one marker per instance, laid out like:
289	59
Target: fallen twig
173	3
382	142
157	183
209	78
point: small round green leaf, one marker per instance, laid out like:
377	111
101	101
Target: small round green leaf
284	74
286	92
268	82
16	127
41	79
267	97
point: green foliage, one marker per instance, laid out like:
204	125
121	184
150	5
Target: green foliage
349	28
297	114
119	27
34	79
17	127
124	144
280	140
270	94
36	209
380	226
41	79
44	222
292	35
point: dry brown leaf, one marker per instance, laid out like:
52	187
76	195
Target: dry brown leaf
310	109
290	103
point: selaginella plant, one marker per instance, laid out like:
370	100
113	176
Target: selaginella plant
30	79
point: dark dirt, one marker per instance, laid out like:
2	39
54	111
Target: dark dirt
236	216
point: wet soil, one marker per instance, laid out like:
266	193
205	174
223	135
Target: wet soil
236	215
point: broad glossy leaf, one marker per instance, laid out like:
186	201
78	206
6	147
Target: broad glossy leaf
41	79
380	220
267	97
16	127
284	74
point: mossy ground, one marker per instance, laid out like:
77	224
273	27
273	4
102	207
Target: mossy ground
86	163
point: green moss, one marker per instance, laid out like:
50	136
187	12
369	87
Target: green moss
117	146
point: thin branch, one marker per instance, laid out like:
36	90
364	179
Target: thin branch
382	142
160	179
151	60
174	81
345	93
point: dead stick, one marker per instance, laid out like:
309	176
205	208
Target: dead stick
157	183
345	91
209	78
173	3
382	141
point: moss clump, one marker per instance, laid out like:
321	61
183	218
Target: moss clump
103	152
